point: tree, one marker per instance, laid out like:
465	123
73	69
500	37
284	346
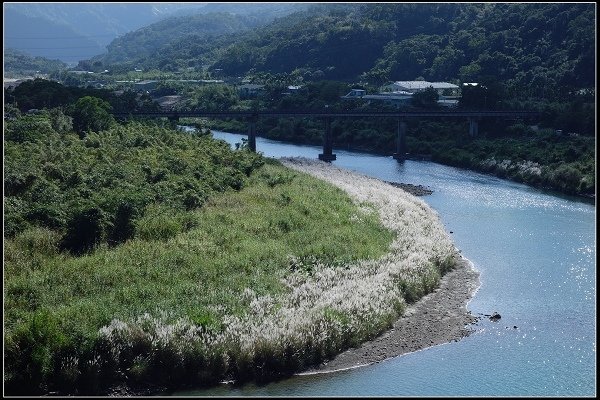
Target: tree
91	114
215	97
425	98
473	97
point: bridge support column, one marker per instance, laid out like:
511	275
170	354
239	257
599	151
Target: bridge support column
327	154
473	127
400	153
252	136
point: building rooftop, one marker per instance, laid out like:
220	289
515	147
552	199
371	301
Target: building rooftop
145	82
398	93
416	85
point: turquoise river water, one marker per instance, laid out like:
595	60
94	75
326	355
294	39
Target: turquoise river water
536	253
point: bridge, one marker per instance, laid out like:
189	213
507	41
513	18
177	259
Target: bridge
252	116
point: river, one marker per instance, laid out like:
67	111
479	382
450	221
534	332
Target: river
536	253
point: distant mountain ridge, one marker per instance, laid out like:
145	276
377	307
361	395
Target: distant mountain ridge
40	37
141	44
73	32
195	35
101	19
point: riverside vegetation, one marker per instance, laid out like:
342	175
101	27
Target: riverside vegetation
536	155
144	256
529	56
524	56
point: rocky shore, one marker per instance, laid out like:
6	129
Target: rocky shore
437	318
415	190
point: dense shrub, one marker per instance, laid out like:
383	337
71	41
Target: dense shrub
28	128
93	190
84	230
91	114
31	354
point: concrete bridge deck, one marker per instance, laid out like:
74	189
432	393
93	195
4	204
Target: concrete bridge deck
473	117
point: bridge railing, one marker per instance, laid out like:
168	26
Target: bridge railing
332	114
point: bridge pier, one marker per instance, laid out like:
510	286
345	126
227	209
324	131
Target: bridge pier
473	127
400	154
252	136
327	154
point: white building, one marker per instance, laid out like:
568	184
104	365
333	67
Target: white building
402	97
445	89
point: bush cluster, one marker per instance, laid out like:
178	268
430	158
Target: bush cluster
97	189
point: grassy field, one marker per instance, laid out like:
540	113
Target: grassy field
161	304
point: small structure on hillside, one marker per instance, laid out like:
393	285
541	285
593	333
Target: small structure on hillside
250	89
355	93
394	98
393	95
168	102
145	85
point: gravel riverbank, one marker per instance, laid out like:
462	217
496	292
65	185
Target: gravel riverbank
437	318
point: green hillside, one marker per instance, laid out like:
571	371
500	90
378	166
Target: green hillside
19	63
143	42
181	41
536	50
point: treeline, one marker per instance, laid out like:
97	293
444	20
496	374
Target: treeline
540	158
41	93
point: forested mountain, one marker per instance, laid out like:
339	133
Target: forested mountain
72	31
17	62
534	48
142	46
185	40
537	50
